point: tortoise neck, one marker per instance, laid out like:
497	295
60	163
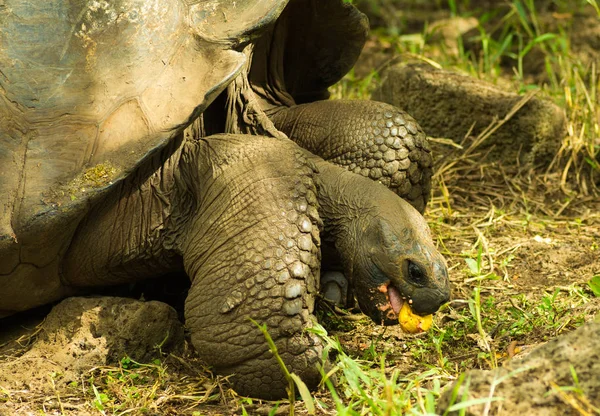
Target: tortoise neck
129	235
266	72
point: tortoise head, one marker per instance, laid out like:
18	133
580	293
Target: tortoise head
397	262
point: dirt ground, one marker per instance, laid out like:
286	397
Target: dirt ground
510	233
533	255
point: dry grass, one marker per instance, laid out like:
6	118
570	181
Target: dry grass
500	226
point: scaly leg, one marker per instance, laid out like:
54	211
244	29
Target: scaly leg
371	138
252	252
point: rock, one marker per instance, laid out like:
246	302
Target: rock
532	385
82	333
446	104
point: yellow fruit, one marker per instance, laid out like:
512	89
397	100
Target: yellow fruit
413	323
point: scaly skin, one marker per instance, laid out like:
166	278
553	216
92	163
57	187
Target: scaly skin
252	251
374	139
376	234
241	215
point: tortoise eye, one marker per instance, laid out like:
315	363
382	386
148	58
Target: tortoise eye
416	274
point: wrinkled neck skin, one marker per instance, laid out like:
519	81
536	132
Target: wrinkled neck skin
266	74
377	235
134	231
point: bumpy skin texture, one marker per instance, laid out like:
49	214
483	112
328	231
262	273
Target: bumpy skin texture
252	251
377	235
370	138
271	195
239	214
242	216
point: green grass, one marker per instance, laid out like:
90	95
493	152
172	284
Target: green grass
372	385
486	325
507	41
490	318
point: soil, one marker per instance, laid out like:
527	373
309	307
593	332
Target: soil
534	238
546	255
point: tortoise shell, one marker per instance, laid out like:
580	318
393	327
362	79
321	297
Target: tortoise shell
89	89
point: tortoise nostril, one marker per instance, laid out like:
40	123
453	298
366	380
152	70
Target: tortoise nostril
416	274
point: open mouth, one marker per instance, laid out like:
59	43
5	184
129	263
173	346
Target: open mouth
398	309
396	299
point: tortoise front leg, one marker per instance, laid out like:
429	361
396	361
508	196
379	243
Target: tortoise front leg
371	138
252	252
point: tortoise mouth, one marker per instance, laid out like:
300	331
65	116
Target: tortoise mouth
396	299
394	302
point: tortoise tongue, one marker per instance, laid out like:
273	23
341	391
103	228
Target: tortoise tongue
395	299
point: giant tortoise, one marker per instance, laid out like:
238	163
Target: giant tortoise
142	137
